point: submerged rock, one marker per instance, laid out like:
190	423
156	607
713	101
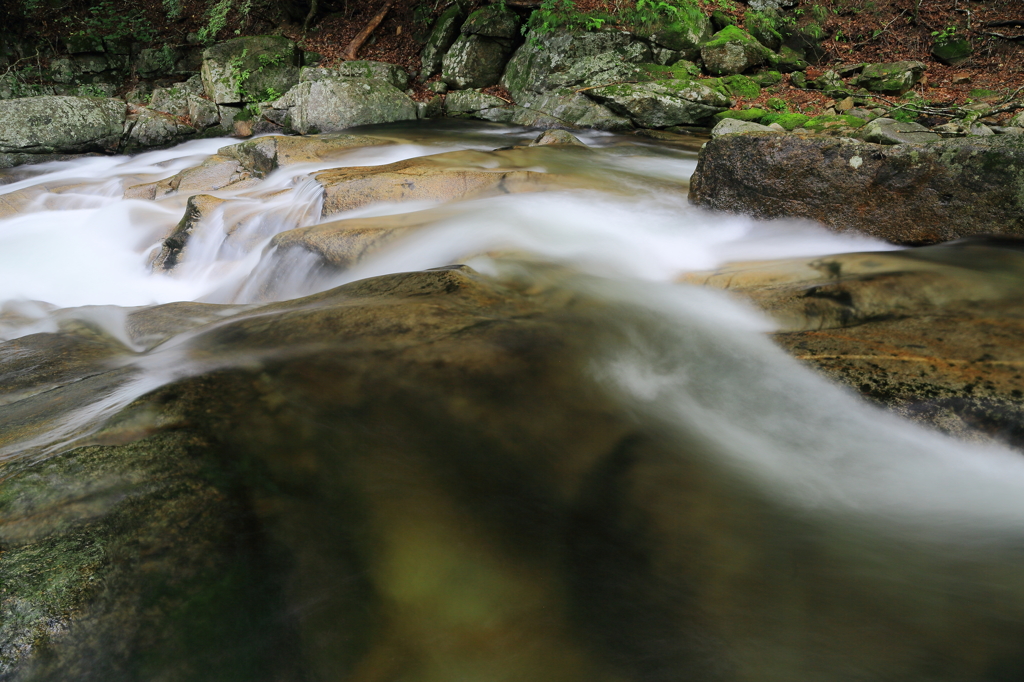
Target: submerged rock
266	154
905	193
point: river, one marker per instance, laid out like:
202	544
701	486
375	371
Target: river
792	531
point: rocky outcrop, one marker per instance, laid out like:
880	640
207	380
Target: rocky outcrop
361	68
199	206
893	78
55	124
334	104
266	154
905	193
148	129
479	105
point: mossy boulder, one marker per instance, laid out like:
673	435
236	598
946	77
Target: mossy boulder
953	52
893	78
732	50
734	86
660	104
250	69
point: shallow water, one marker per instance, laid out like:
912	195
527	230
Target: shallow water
819	537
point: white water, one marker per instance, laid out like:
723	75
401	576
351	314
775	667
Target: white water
702	367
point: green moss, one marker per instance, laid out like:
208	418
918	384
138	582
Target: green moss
787	121
767	78
731	34
742	115
733	86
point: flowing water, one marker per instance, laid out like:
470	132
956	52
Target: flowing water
831	540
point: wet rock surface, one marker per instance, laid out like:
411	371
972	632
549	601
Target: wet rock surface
931	333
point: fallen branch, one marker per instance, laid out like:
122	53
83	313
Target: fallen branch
1000	35
353	48
605	85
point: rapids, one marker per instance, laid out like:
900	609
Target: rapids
876	543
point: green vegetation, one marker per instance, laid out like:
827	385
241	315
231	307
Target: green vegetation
787	121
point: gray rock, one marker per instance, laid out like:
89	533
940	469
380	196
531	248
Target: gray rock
90	63
172	100
891	78
335	104
55	124
444	33
476	104
358	69
906	193
733	50
980	130
250	69
438	87
543	62
659	104
889	131
475	61
227	114
566	108
763	5
729	126
62	70
1018	120
150	129
202	113
1007	130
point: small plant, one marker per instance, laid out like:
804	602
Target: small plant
216	20
945	36
777	104
172	8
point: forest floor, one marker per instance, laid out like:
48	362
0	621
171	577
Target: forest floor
872	31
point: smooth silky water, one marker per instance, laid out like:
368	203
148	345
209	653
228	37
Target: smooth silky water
766	525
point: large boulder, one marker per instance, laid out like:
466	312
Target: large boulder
361	68
733	50
904	193
478	57
250	69
889	131
442	35
890	78
543	63
334	104
659	104
56	124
